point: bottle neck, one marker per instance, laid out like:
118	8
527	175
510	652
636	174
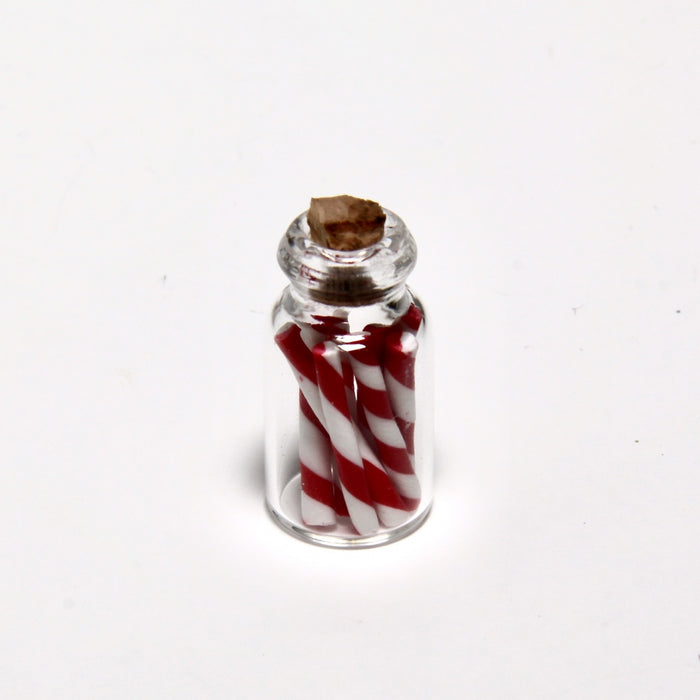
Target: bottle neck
348	278
315	299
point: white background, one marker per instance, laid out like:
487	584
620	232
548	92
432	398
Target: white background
545	155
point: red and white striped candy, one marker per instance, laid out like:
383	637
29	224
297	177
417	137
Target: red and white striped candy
391	447
399	374
325	328
343	435
301	361
391	509
319	496
317	493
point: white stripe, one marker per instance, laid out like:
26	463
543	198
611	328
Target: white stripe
363	516
388	515
391	517
385	430
409	343
341	432
310	336
314	449
366	452
316	513
369	375
401	398
331	353
312	395
406	484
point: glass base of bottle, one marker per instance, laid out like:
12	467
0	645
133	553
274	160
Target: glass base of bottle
340	535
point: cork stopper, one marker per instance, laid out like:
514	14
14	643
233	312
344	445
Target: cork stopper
344	222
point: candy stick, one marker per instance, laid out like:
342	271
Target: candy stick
399	374
317	493
290	341
324	328
374	335
301	361
373	397
343	435
399	370
391	509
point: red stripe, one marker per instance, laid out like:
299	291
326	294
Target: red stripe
308	412
372	344
298	355
375	333
316	486
382	488
339	504
412	318
394	458
399	363
352	477
408	429
375	401
411	503
364	425
329	325
367	354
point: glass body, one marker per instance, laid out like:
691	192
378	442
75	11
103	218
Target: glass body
349	412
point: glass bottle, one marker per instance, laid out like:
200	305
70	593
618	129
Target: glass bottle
349	414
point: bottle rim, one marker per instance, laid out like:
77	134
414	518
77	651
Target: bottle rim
347	276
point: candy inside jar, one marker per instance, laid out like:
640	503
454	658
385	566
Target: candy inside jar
349	425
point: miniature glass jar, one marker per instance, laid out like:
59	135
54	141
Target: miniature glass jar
349	411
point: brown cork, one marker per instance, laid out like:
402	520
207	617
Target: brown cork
345	222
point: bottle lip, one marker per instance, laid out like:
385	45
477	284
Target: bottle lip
347	276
